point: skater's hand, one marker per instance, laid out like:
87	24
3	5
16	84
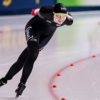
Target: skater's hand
69	19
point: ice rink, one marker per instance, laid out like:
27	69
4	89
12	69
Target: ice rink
68	68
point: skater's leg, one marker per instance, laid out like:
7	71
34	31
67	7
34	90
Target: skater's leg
20	89
27	69
17	66
32	56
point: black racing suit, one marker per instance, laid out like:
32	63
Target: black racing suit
38	31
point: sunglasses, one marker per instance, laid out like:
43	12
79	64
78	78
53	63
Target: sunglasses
62	15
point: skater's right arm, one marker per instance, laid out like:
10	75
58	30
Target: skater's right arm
45	12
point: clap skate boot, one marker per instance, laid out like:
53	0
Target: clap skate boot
3	81
20	89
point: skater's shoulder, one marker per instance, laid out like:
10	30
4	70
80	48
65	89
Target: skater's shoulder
46	9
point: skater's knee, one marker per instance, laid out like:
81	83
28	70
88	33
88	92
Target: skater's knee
33	56
33	49
33	46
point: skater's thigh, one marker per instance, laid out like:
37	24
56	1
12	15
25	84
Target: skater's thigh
31	35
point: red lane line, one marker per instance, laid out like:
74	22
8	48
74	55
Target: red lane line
52	86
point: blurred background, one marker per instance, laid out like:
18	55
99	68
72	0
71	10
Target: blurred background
69	44
24	6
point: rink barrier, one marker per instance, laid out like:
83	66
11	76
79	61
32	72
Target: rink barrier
28	10
15	7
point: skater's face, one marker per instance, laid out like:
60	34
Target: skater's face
59	18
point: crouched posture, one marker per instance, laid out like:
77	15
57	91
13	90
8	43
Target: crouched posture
38	31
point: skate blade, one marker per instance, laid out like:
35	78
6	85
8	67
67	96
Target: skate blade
16	96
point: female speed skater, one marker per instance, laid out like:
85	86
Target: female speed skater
38	31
